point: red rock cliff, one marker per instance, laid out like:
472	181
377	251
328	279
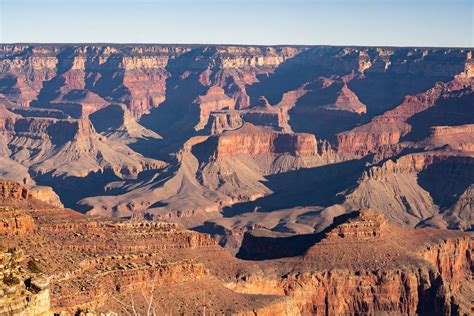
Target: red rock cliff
251	140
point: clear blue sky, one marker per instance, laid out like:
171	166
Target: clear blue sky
332	22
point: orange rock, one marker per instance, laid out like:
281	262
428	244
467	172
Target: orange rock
251	140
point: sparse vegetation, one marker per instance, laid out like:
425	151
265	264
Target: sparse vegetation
33	267
10	280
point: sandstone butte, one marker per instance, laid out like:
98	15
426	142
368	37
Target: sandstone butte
67	262
252	140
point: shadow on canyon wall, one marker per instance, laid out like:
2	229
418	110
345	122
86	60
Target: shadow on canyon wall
446	180
304	187
73	189
256	247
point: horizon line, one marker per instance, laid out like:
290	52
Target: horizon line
234	44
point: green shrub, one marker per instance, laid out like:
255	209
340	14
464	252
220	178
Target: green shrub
33	267
11	280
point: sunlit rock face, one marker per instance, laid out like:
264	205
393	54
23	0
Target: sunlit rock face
361	263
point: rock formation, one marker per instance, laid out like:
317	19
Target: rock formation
22	293
229	139
250	140
451	100
360	264
107	266
364	264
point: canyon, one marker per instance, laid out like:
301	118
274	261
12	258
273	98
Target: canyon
70	263
261	178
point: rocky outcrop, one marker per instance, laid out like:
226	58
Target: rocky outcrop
15	223
21	293
225	121
72	147
11	190
390	127
214	100
222	121
459	137
47	195
251	140
347	100
364	264
12	196
366	224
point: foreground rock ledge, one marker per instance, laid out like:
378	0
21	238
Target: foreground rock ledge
360	264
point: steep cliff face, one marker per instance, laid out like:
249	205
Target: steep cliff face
14	194
460	137
214	100
105	266
224	121
11	190
250	140
444	103
404	291
360	264
391	271
137	74
275	118
14	223
46	194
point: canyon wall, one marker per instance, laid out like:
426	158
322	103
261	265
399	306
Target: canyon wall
249	140
361	263
229	136
431	280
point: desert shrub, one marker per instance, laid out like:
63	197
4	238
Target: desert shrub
10	280
33	267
